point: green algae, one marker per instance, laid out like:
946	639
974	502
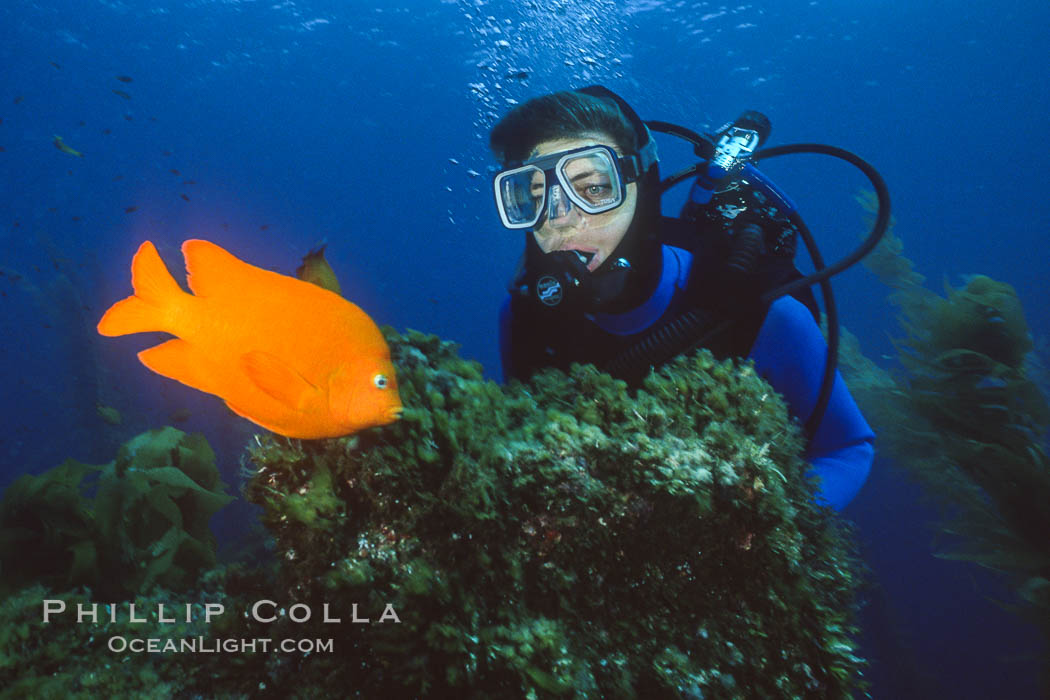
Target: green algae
67	658
118	528
967	418
563	538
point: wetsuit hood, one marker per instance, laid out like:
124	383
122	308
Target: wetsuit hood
630	273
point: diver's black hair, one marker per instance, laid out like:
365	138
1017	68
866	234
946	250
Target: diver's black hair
559	115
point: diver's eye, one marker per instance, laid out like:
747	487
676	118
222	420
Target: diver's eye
380	381
596	193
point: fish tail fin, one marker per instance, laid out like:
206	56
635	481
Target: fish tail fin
156	293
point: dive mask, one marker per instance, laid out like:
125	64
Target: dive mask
593	178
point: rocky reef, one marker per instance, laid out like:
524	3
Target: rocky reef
562	538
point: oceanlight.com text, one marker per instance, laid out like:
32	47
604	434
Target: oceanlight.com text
202	645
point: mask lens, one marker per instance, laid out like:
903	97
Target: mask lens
559	205
588	178
519	194
593	181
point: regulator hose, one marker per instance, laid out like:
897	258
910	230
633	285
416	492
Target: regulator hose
822	273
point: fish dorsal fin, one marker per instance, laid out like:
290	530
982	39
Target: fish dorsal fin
212	271
277	378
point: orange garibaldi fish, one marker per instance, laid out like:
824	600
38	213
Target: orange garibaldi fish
283	353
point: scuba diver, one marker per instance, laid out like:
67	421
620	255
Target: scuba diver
606	279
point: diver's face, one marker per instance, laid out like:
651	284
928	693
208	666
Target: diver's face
594	235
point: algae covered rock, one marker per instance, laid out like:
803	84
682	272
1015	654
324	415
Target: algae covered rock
82	660
560	538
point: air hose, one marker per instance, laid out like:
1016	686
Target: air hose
690	330
822	274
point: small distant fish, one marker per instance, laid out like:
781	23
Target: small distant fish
74	218
55	65
128	210
316	270
186	197
19	98
285	354
124	78
264	227
189	182
107	131
165	153
108	413
173	171
1	149
129	118
180	415
61	145
121	93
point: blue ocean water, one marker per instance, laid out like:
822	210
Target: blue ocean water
270	127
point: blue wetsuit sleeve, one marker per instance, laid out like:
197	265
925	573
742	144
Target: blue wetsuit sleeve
790	353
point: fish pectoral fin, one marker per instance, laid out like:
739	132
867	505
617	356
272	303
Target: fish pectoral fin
277	378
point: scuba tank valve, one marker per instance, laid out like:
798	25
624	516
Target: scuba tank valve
734	144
